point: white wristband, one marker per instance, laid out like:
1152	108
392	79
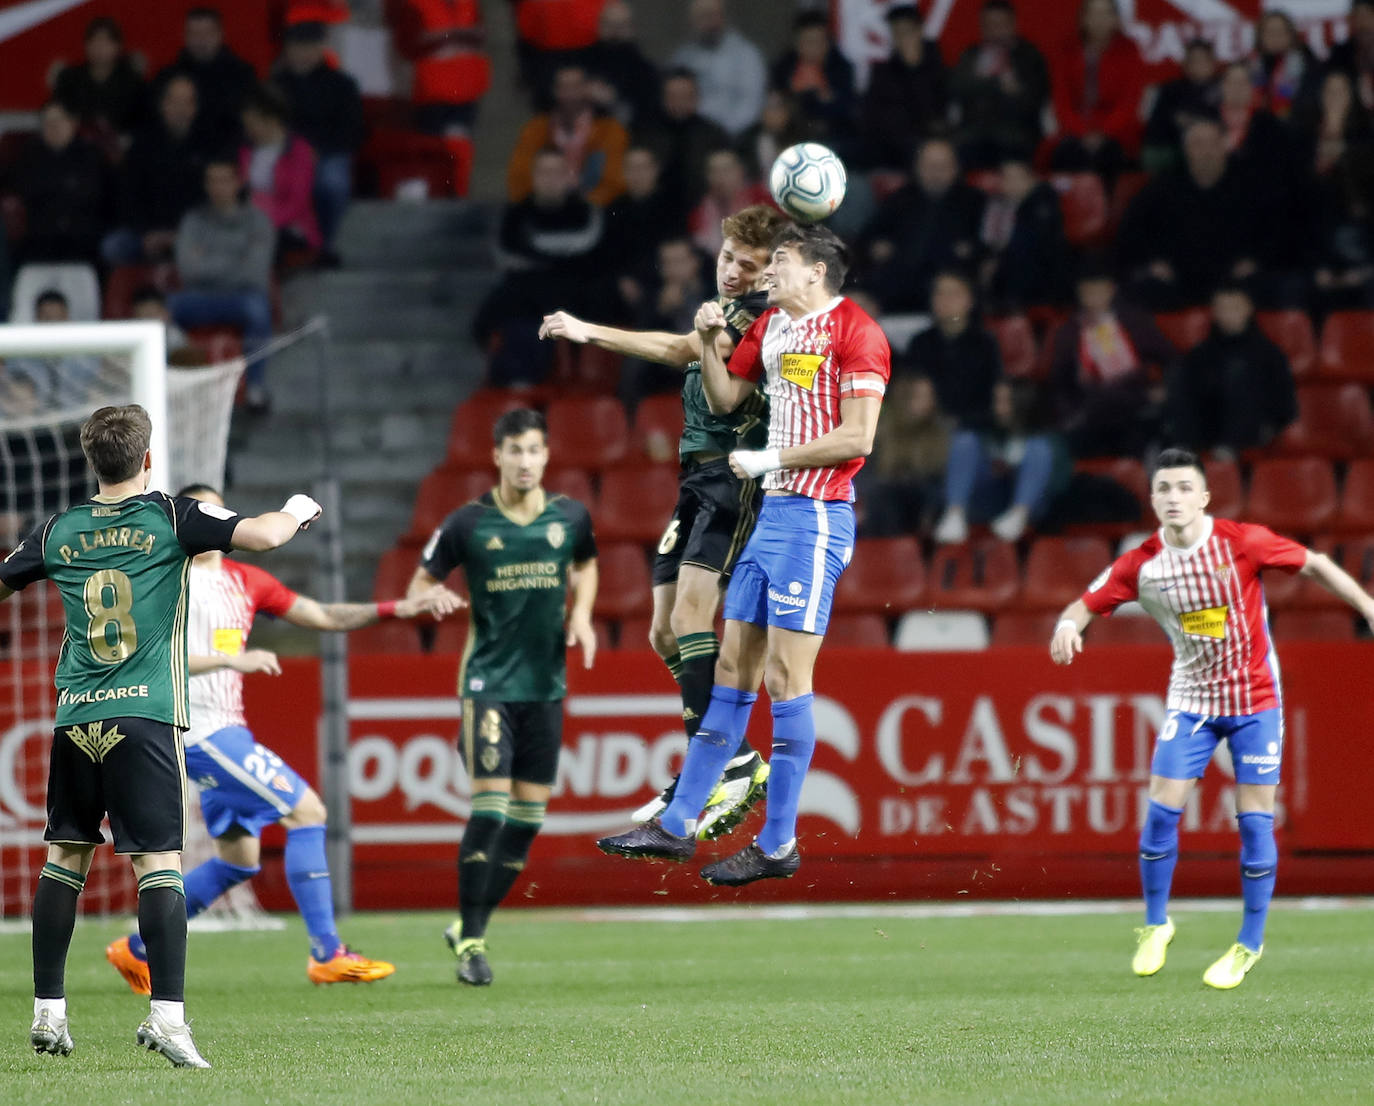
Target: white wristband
302	508
756	462
1069	622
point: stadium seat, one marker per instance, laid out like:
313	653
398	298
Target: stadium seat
469	435
1024	628
395	569
635	503
1059	569
1334	420
1295	496
884	182
1291	330
941	632
386	637
1347	346
585	368
981	575
74	279
1117	630
1314	626
1126	471
868	631
625	583
1016	343
657	427
1083	202
1356	512
887	576
574	483
448	637
1127	188
444	490
1223	481
1185	328
633	633
1357	558
589	432
125	280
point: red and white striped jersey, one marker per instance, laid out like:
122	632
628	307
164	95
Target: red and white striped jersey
223	603
1209	600
808	366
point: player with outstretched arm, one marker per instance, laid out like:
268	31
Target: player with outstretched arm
1199	578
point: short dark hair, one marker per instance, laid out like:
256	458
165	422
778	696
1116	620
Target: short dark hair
817	244
205	12
808	19
1000	6
909	12
49	295
1233	288
266	99
103	25
520	421
680	73
1204	44
200	489
1177	458
114	440
145	293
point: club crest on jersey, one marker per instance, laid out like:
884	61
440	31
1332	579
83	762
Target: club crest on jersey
801	368
556	533
1221	572
1209	622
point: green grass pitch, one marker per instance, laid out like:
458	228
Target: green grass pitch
733	1009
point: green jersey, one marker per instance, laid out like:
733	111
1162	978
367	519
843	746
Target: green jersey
746	427
517	584
121	567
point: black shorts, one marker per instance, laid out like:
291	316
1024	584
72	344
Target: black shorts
132	769
512	741
714	516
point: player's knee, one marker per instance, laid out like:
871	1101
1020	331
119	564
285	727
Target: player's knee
662	639
310	811
1159	834
777	679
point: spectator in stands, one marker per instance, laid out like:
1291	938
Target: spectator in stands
549	247
958	355
682	138
729	69
223	79
1194	227
1336	126
1101	377
327	111
901	485
1343	227
1025	252
819	78
778	128
682	282
728	189
445	44
906	97
279	167
66	188
1233	391
70	380
1194	94
625	83
1099	80
593	146
999	90
639	219
923	227
224	255
1007	472
1283	68
106	91
1355	56
149	303
162	178
551	34
1258	143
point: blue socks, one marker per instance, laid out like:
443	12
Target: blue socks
307	874
794	740
1158	858
203	885
708	753
1259	861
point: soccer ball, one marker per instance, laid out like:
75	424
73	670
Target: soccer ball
808	181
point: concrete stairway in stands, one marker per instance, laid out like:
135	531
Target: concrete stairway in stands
399	357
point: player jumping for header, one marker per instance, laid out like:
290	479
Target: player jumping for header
1198	577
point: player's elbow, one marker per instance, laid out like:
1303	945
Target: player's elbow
1316	564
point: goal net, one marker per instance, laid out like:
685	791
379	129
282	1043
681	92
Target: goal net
51	378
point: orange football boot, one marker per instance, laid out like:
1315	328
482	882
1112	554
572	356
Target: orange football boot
134	970
346	966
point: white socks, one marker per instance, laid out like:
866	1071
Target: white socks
58	1006
173	1013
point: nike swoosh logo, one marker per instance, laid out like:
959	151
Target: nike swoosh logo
1153	856
786	610
14	21
1167	587
1271	768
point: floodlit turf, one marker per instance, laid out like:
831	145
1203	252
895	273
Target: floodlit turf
880	1009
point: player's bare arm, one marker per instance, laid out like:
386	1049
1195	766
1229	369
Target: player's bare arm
310	614
1068	632
276	528
659	346
1339	583
584	577
723	389
852	438
247	662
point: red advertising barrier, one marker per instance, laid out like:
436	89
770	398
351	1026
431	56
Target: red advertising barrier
989	774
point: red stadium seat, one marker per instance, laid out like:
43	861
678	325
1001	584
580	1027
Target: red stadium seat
884	182
887	576
1356	511
1016	343
1059	569
1347	346
574	483
981	575
985	180
386	637
124	280
469	436
1223	481
1296	496
395	569
1333	421
1126	471
624	590
1083	201
444	490
1357	558
635	503
1291	330
1127	188
657	427
1126	630
585	368
589	432
633	633
866	630
1314	626
1185	328
1024	628
450	636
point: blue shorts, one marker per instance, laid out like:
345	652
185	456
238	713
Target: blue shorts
241	782
1187	742
787	573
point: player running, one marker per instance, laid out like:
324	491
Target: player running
1198	577
245	786
826	365
121	561
521	549
716	508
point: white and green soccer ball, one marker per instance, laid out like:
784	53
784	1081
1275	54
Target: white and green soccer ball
808	181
